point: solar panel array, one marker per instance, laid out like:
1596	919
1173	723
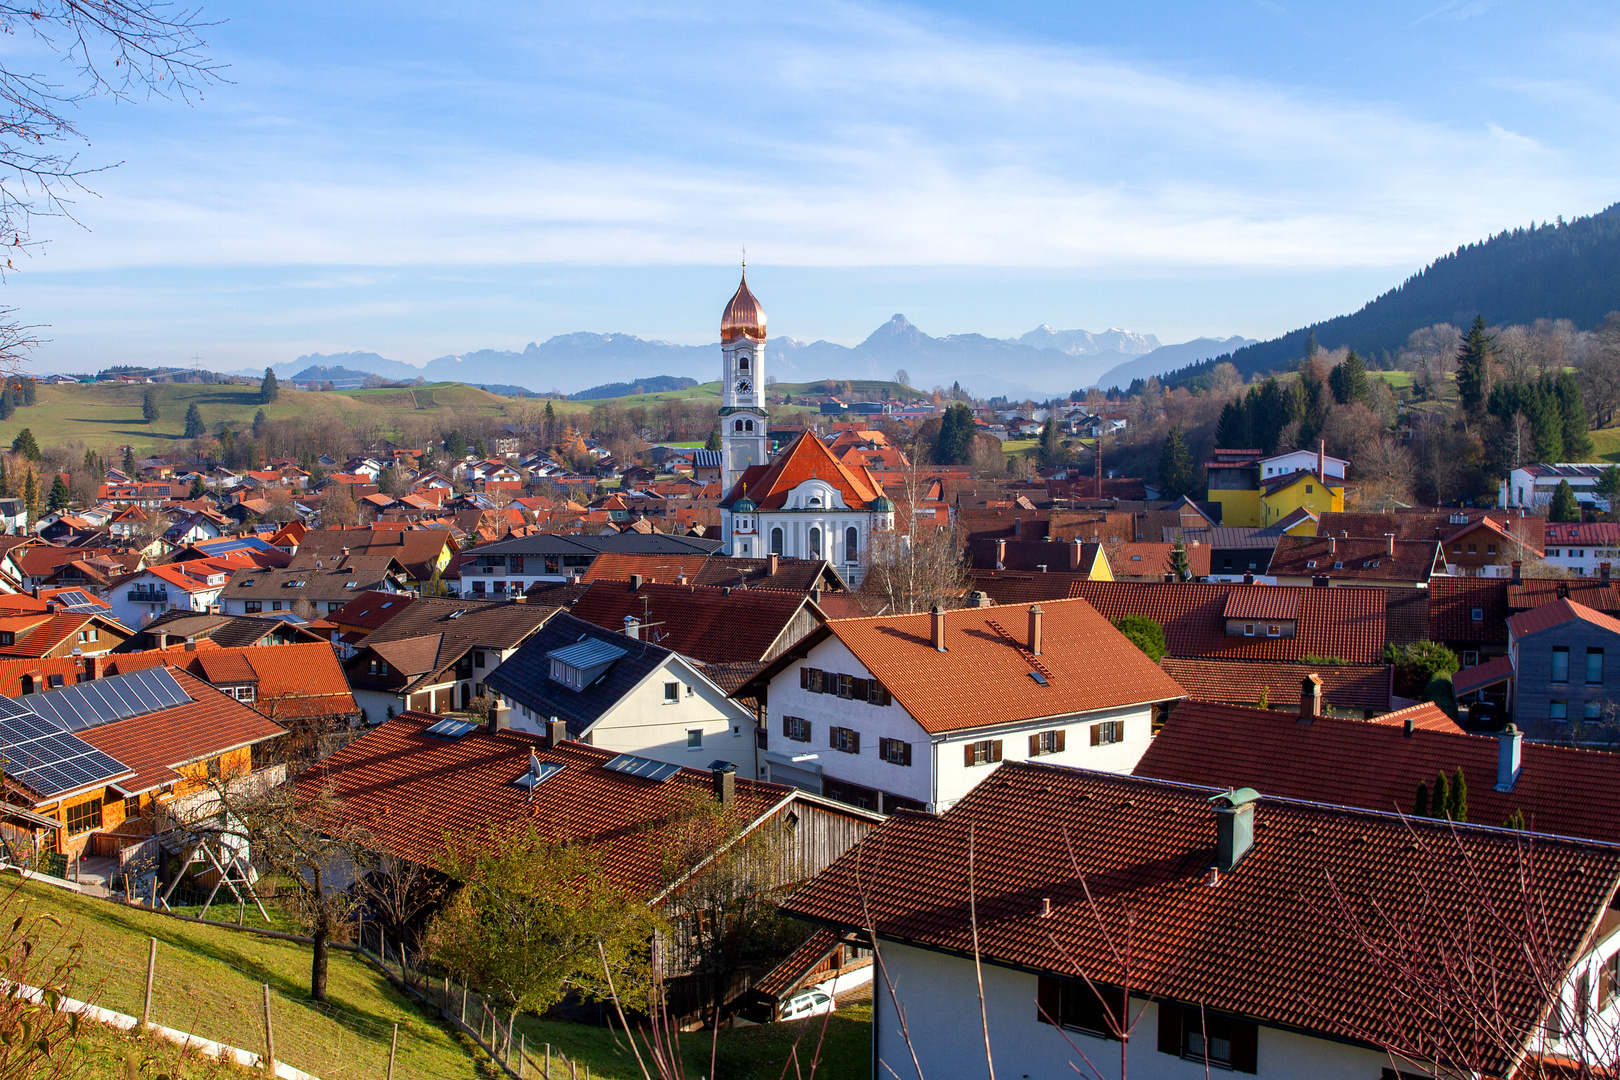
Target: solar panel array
91	704
646	768
75	600
45	758
451	728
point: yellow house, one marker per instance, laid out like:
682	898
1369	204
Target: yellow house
1303	490
1257	491
1234	483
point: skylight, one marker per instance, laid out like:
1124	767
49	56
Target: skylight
646	768
451	728
537	773
1039	678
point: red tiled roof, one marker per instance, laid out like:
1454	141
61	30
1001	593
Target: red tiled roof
1262	602
1560	790
1595	593
156	744
613	566
807	458
1426	715
984	676
1557	613
1453	601
700	621
41	668
1347	622
1480	676
1350	560
295	681
409	789
57	629
1269	942
1153	559
1237	682
371	610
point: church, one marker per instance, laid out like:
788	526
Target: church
803	503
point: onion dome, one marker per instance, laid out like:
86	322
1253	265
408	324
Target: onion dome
744	317
882	505
744	505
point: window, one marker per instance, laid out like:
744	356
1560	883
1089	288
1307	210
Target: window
815	540
1470	658
796	728
1558	710
894	751
1273	630
1594	667
1310	564
748	425
776	541
478	658
852	545
1476	614
1248	629
1608	981
983	752
811	679
843	739
1593	710
694	738
1310	489
132	807
213	768
739	425
1560	663
275	605
1490	549
1473	549
1107	733
332	606
478	588
1199	1034
1075	1005
89	635
672	691
84	817
1046	742
253	607
742	362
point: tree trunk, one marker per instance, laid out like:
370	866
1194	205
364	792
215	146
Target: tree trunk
317	970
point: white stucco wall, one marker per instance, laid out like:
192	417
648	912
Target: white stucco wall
940	998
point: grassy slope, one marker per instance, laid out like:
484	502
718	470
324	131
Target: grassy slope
1606	444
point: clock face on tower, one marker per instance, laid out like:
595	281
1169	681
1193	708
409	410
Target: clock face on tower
742	386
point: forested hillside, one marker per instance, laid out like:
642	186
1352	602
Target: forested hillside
1569	270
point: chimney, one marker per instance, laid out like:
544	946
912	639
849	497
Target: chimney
937	617
1036	620
1321	461
1389	543
1248	578
556	731
1563	590
680	579
1409	726
50	607
499	719
1603	571
1001	555
1333	545
632	627
1310	698
1518	572
725	783
191	644
1169	578
1509	743
1234	827
815	594
977	599
635	582
1018	527
771	563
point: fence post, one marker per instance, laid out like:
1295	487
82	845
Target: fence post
404	976
151	968
269	1034
523	1053
393	1046
154	890
463	1004
548	1061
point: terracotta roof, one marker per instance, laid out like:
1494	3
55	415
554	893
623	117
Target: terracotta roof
1453	602
1237	682
41	561
614	566
1261	602
1151	559
985	676
1347	622
1556	614
494	624
12	671
228	667
58	629
1431	524
229	631
1590	533
1560	790
700	621
156	744
1406	614
1595	593
1480	676
1426	715
371	610
1269	943
807	458
1007	587
294	681
1351	560
417	550
410	789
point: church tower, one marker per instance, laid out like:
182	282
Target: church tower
743	440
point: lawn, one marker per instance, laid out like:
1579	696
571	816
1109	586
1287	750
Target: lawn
1019	446
1606	444
1396	379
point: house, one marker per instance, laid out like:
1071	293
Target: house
1378	766
1249	496
365	613
1222	920
323	588
1235	553
914	710
177	627
1330	560
1360	691
1304	490
37	563
772	572
1531	487
1562	688
1477	543
419	552
1584	547
1040	556
1147	561
1324	463
621	693
58	631
511	566
435	655
185	586
136	747
704	622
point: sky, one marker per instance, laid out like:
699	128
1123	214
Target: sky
423	179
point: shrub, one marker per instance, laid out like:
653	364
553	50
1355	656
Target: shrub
1144	633
1417	664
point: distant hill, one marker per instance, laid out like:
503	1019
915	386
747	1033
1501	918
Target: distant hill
656	384
340	377
1569	270
1168	358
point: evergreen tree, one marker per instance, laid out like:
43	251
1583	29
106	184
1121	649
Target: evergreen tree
1572	409
1178	561
480	449
455	444
1348	381
24	445
59	497
268	389
1441	797
195	428
1232	430
713	442
30	392
1311	348
1175	466
5	481
30	493
1608	486
551	428
1422	807
198	488
128	463
8	404
1546	414
1515	820
1473	374
954	444
258	424
1457	807
1564	507
149	405
1050	450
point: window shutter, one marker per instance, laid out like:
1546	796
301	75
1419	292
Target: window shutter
905	753
995	750
1096	734
1245	1046
967	755
804	678
832	737
854	742
1048	999
860	693
804	726
787	726
883	749
1034	746
1170	1034
1060	734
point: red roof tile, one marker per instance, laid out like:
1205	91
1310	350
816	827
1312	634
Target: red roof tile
807	458
700	621
1262	602
1238	682
1480	676
1453	602
294	681
1354	560
1557	613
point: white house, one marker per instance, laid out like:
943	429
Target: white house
1531	486
615	691
1221	927
181	586
913	711
1318	461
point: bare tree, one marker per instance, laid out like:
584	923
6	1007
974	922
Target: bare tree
1383	476
1432	353
1600	372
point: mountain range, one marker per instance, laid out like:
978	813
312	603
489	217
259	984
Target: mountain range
1040	364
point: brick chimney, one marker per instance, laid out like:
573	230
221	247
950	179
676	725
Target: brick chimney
772	562
1036	625
1310	698
725	783
1518	572
500	719
1001	555
937	618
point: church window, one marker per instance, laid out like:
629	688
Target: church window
739	425
815	540
749	425
776	541
742	362
852	544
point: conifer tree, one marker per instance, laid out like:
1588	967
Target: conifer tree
194	422
713	442
30	493
1311	348
1422	807
129	462
1348	381
24	445
1232	430
1050	451
1441	797
1515	820
198	488
1175	466
550	434
1178	561
258	424
59	497
149	406
5	481
8	404
1572	410
269	388
1457	808
1265	698
1564	506
30	392
1473	375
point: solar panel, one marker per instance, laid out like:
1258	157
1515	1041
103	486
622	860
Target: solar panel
451	728
49	761
86	705
646	768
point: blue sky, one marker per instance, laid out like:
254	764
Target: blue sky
421	179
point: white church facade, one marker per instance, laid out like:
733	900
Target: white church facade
804	503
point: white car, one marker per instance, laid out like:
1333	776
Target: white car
809	1003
